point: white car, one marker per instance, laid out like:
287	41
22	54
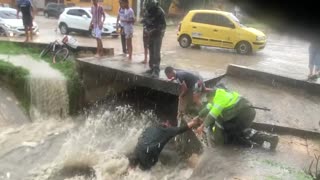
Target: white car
10	25
77	19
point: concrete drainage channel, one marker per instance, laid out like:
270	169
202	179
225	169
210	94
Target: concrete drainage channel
294	108
294	104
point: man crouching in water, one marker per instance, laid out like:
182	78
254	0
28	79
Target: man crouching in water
152	141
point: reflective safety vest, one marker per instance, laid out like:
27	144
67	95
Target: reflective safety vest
221	101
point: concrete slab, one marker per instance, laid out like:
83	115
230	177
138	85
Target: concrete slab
291	106
122	70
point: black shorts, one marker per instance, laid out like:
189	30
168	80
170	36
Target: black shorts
27	21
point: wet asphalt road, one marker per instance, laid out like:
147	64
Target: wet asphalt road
283	55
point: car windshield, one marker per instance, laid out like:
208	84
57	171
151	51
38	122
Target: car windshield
235	19
5	14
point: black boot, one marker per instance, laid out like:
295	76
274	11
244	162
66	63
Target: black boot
261	137
155	74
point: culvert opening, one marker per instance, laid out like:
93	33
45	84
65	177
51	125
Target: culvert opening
164	105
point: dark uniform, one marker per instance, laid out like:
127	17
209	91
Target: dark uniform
25	7
151	143
155	23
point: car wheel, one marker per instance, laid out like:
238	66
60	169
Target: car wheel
185	41
243	47
63	29
46	15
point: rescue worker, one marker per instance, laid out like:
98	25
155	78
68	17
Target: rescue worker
187	80
155	24
228	118
152	141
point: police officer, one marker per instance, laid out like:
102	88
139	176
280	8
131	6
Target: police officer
228	117
155	24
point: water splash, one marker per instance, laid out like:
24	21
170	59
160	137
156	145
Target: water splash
97	150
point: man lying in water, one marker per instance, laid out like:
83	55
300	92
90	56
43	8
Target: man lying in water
152	141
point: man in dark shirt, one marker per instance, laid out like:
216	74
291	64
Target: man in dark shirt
188	82
155	24
152	141
25	7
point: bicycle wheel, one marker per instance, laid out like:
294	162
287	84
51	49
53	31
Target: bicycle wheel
45	51
61	55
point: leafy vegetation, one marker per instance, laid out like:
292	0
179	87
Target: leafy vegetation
16	78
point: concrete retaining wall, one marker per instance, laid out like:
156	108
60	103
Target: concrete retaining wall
272	79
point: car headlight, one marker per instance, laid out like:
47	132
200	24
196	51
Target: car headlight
261	38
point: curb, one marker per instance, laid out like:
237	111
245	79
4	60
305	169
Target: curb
272	79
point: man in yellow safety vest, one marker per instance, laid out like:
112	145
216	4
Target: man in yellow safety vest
228	117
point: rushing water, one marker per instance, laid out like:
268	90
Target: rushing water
47	86
94	145
97	149
49	97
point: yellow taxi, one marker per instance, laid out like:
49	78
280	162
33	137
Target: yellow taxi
219	29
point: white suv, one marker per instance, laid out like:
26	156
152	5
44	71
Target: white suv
77	19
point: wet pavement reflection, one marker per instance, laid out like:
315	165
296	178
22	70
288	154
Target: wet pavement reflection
284	55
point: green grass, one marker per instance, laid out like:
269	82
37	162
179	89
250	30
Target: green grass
16	78
9	48
289	171
67	68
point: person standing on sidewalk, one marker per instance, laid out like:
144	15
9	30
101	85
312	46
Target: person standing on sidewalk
97	21
155	24
128	22
120	25
26	8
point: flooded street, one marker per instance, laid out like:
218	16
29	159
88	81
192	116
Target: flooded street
51	145
284	55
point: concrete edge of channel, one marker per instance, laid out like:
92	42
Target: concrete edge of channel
285	130
276	80
107	51
272	79
129	78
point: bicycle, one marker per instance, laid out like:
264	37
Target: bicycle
60	51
